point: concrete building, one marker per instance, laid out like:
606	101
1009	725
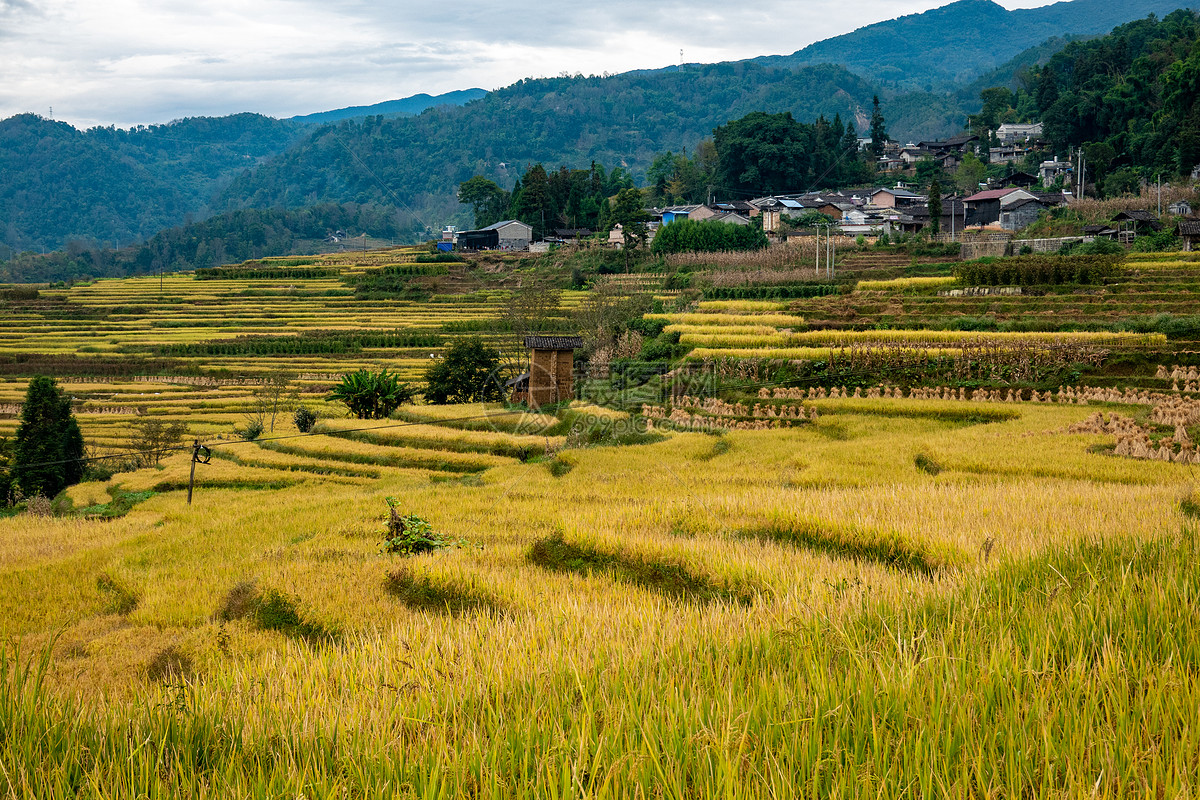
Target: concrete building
1013	132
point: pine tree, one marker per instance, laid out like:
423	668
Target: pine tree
935	207
879	135
48	447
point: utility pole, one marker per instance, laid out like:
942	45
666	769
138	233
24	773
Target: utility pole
200	455
192	476
816	265
1160	194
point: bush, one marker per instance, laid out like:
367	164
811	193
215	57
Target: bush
469	373
304	418
690	236
1037	270
252	431
371	395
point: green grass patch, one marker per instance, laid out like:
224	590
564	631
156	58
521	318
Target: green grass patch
888	548
122	503
672	579
422	593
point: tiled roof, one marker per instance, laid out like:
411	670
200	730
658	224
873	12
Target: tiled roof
553	342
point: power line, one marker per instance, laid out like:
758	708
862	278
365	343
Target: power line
789	382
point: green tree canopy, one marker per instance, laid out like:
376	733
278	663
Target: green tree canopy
935	207
469	373
48	447
487	199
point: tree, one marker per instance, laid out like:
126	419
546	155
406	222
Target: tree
879	136
469	373
6	479
762	154
152	438
487	199
629	211
969	174
48	447
371	395
935	207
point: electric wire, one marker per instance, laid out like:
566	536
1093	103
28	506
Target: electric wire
793	382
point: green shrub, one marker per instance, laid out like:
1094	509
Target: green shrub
691	236
469	373
371	395
1041	269
304	418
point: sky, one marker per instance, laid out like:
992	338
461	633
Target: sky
129	62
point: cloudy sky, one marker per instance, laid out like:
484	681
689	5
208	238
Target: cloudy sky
124	62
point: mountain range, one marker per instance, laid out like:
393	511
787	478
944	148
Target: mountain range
116	187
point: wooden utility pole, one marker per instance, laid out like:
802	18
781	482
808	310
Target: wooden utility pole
192	476
200	455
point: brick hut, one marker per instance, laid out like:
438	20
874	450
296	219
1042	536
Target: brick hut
551	369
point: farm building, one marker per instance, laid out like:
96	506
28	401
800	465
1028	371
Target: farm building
551	376
1188	231
1139	220
510	234
1021	214
983	208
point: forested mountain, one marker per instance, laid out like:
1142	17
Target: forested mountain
1129	100
232	236
956	43
116	186
623	120
407	105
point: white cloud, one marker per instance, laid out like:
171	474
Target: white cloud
140	61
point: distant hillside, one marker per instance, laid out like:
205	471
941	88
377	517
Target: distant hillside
114	187
958	42
622	120
408	105
120	186
223	238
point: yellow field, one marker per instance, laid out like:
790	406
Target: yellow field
894	597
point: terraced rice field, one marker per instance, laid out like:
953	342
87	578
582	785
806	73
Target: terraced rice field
897	597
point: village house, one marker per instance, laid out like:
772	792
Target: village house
955	144
1021	214
509	234
1180	208
1007	154
696	213
894	198
952	220
983	208
1050	170
1012	132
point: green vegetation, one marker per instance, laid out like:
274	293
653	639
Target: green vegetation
371	395
47	450
223	238
690	236
1034	270
470	372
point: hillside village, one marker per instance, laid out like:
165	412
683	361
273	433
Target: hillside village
1001	208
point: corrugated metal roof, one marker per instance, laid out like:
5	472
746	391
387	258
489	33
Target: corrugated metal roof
498	225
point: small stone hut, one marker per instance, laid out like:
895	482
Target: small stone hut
551	376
